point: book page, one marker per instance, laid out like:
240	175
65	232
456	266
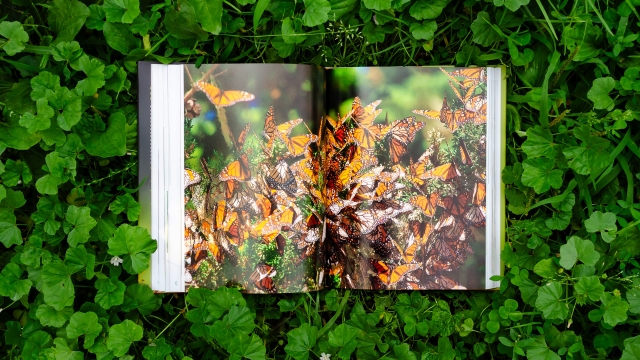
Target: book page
252	214
405	169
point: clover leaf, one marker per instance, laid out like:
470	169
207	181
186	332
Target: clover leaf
16	36
135	243
577	249
78	224
122	335
84	324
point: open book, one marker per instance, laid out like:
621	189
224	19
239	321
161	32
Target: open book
280	178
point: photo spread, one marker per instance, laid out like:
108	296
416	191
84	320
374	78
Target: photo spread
298	178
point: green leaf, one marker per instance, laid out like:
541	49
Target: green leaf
15	35
589	287
135	244
94	70
427	9
77	258
559	220
633	297
317	12
36	345
146	301
587	37
119	37
343	337
631	348
615	309
123	11
182	24
220	301
141	25
71	105
11	285
257	13
301	340
252	348
377	4
111	142
340	8
110	292
512	5
15	136
239	320
42	121
209	14
49	316
67	51
122	335
540	174
373	34
157	350
483	33
66	18
289	34
57	286
63	351
546	268
540	351
403	352
78	224
13	171
423	31
539	143
9	232
550	301
84	324
577	249
599	221
599	93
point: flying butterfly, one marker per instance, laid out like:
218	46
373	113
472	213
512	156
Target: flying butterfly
445	115
297	145
222	98
239	142
455	205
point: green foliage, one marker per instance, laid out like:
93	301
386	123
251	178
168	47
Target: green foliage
68	95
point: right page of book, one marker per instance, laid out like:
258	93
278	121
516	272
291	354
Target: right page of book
405	170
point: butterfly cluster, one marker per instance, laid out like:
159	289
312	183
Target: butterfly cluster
392	225
250	212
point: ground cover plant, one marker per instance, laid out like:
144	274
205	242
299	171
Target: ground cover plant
71	248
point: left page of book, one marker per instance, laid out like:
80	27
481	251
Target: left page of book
252	210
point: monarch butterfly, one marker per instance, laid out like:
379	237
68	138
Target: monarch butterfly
380	242
262	278
455	205
219	214
285	129
297	145
478	106
191	178
222	98
445	172
237	170
443	249
230	188
464	154
366	136
376	284
475	216
364	116
280	244
420	230
263	204
281	177
476	74
427	204
239	143
389	276
269	130
479	193
198	254
447	283
402	132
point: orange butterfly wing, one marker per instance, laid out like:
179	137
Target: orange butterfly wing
269	130
223	98
427	204
464	154
445	172
237	170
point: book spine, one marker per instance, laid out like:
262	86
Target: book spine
144	153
